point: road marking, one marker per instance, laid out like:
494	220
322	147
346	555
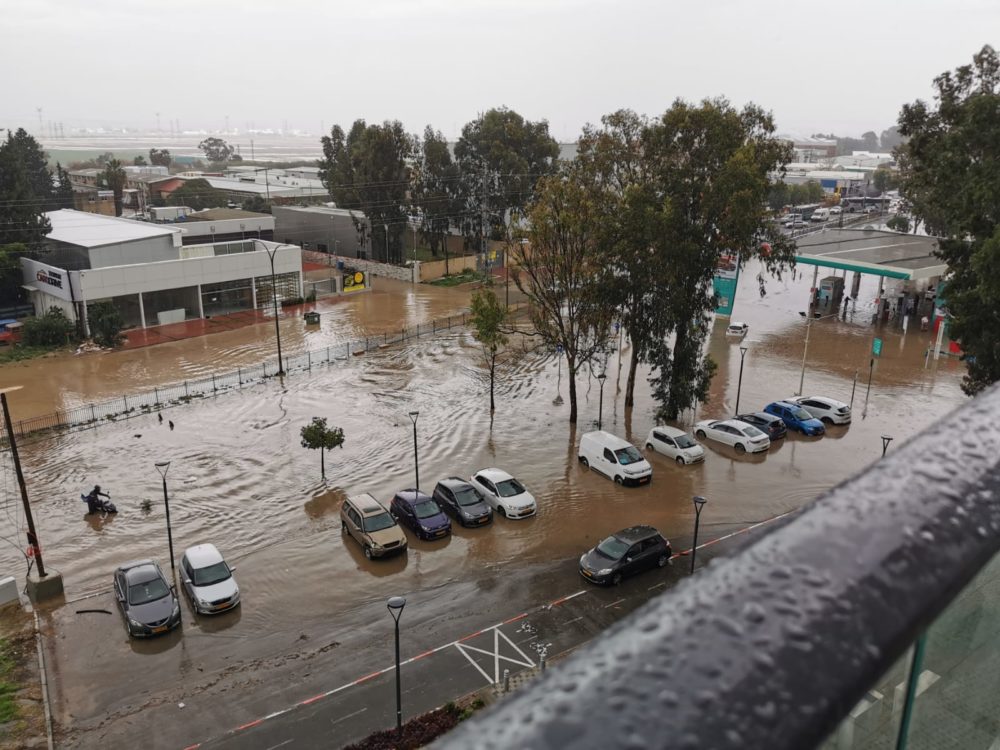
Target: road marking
606	606
524	661
345	718
281	744
657	585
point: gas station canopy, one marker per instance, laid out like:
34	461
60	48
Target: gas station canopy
871	251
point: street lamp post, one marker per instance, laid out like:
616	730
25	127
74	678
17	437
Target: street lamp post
600	409
162	467
36	550
886	439
274	300
395	607
739	383
416	462
698	501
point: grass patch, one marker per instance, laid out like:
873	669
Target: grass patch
457	278
8	689
19	352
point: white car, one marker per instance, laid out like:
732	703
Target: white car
504	494
745	438
675	444
829	410
208	580
835	210
738	328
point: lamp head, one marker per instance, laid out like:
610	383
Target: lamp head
162	466
395	606
699	501
602	377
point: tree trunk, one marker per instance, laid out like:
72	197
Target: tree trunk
493	369
571	373
446	255
322	463
633	365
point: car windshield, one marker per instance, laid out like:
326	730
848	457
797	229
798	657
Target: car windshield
379	522
613	548
685	441
467	496
426	509
150	591
509	488
801	414
212	574
628	455
751	431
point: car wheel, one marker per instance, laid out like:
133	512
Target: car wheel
618	480
662	560
740	448
343	526
826	420
649	446
368	552
616	579
700	434
680	460
502	511
585	462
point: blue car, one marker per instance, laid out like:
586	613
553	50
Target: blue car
796	418
420	514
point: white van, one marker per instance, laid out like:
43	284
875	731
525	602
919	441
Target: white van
614	458
820	214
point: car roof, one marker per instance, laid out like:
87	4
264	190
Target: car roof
125	567
411	496
203	555
454	483
606	439
823	400
635	533
732	422
494	474
784	403
670	431
763	415
366	504
736	324
141	572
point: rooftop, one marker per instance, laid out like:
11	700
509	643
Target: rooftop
219	214
94	230
871	251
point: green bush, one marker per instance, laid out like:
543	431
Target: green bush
106	324
51	329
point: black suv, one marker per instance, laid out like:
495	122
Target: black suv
769	424
625	553
463	502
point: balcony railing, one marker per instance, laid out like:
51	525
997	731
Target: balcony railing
837	610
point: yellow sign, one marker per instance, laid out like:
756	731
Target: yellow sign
354	282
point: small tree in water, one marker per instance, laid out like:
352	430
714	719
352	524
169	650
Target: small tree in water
489	317
317	435
105	324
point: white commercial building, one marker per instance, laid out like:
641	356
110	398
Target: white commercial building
150	275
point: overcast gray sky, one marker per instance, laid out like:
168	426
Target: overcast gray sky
844	67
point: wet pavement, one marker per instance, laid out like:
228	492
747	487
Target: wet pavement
313	615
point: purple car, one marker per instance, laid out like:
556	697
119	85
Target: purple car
420	514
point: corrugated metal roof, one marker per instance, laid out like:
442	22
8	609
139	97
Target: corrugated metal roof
94	230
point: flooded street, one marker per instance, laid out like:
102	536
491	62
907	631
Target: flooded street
239	478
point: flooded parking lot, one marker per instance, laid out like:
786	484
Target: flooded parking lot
239	478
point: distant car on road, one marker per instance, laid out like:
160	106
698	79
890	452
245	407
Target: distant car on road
208	580
773	426
745	438
625	553
463	502
147	602
676	444
795	417
505	494
737	328
828	410
366	520
836	211
420	514
794	220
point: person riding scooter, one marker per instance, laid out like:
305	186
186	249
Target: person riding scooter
94	502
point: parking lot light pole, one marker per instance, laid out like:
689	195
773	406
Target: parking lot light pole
395	607
274	300
886	439
739	383
162	467
600	409
416	462
698	501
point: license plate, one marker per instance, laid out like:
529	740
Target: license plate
439	533
644	480
161	629
588	573
484	519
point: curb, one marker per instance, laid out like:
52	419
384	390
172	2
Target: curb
45	683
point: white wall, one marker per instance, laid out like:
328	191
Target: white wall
149	250
227	226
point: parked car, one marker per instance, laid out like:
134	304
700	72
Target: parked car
505	494
745	438
366	520
463	502
737	328
615	458
796	418
773	426
208	580
794	220
147	602
836	211
825	409
625	553
675	444
419	513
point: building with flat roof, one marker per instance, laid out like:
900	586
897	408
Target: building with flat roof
150	275
214	224
322	228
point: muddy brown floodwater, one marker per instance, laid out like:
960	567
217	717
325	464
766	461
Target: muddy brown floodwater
239	478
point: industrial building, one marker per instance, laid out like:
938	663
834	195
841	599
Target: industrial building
328	230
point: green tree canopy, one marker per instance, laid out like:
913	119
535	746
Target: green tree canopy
317	436
216	150
198	194
106	324
160	157
114	178
489	322
951	181
435	191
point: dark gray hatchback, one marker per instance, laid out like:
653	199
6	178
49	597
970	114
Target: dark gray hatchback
463	502
625	553
148	603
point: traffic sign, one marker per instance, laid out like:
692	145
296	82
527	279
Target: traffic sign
877	347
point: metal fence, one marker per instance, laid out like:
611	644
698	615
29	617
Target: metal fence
160	397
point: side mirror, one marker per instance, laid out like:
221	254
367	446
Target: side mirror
232	569
628	559
187	581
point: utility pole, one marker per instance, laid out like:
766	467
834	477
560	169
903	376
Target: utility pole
483	216
41	133
32	534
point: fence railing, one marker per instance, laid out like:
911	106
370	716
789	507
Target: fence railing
773	645
175	394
